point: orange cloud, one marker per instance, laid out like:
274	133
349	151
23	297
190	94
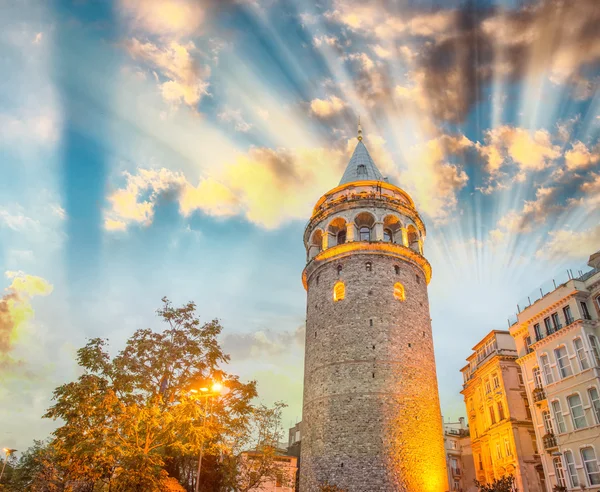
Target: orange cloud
164	17
324	108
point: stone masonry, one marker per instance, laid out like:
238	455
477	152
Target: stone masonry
371	413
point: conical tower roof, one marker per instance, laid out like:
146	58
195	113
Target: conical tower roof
361	167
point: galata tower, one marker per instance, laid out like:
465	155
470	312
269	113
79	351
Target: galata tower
371	413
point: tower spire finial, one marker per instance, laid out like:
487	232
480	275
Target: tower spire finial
359	137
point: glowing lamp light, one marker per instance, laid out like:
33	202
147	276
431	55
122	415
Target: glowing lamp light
217	387
204	390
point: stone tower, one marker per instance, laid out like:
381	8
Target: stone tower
371	412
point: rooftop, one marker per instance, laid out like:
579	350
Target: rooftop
361	166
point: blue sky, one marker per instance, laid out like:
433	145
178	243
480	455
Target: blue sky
176	147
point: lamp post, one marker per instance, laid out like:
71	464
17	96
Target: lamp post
7	452
207	393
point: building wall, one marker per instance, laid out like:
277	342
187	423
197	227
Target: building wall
459	457
549	394
502	432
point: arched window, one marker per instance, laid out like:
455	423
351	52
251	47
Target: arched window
388	237
361	170
368	266
341	237
339	291
339	269
399	291
365	234
397	269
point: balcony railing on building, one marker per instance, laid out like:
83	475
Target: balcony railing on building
549	441
539	395
547	288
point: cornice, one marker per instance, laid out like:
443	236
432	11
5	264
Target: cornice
342	250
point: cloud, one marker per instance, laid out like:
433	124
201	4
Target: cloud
434	181
534	212
267	186
16	309
17	220
325	108
181	79
235	118
571	244
40	126
580	157
527	150
254	345
164	17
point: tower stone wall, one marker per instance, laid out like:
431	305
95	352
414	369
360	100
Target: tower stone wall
371	413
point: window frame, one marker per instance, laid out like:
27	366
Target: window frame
537	377
563	369
571	468
595	403
559	471
501	415
585	311
576	420
339	291
559	418
593	339
364	231
547	421
594	463
390	234
546	368
492	415
568	315
581	354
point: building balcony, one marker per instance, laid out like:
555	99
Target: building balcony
549	441
539	395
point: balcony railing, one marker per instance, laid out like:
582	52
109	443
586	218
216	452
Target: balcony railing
539	395
549	442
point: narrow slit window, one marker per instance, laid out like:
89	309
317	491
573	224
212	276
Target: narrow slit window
368	266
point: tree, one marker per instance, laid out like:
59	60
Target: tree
504	484
37	471
252	461
126	416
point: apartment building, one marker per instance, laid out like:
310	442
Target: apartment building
502	433
557	341
459	456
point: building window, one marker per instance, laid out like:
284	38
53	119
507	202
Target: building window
396	269
488	386
495	380
365	233
361	170
598	301
568	315
548	326
498	451
492	416
339	291
584	310
588	456
595	348
556	321
577	413
570	462
527	343
399	291
500	411
547	369
562	359
547	422
581	355
560	473
388	236
558	417
507	448
368	266
538	332
339	269
527	410
341	237
595	401
520	376
537	377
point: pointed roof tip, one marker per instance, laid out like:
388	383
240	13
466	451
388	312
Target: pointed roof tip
361	166
359	137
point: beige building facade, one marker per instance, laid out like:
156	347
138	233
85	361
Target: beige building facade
459	457
557	341
502	433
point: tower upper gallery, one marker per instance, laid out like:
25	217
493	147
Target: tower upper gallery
365	208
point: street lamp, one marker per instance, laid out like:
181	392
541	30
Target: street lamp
215	390
7	452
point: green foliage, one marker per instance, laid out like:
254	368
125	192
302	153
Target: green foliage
127	416
252	462
504	484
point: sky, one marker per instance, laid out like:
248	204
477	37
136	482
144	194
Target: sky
154	148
